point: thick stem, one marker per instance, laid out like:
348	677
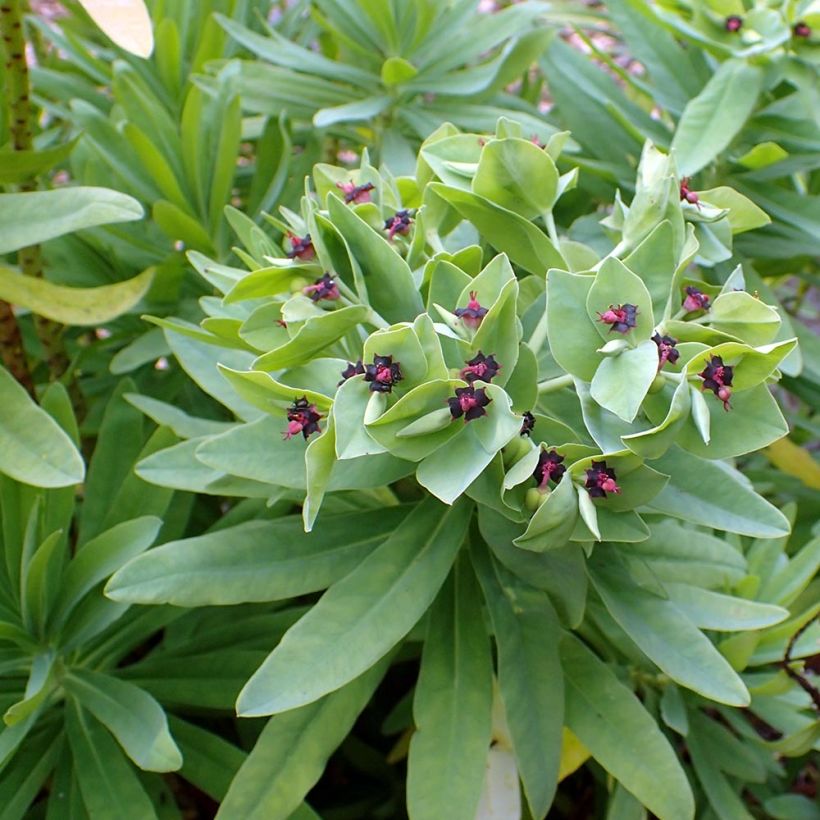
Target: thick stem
11	348
21	122
551	385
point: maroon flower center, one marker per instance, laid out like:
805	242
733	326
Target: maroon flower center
717	377
324	288
473	314
601	480
695	300
549	468
302	418
802	29
480	367
733	23
382	374
688	195
469	402
620	318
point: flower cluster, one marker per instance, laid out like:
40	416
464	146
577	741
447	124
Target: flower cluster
473	313
480	368
382	374
469	402
323	288
601	480
301	247
302	418
717	377
355	194
399	223
549	468
621	318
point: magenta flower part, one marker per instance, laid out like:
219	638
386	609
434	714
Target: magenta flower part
469	402
688	195
354	193
302	418
549	468
695	300
667	352
802	29
620	318
301	248
382	374
601	480
717	377
733	23
399	223
480	367
473	314
323	288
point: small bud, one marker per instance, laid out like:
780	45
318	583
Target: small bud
323	288
534	498
382	374
302	418
802	29
717	377
469	402
480	368
621	318
355	194
733	23
474	313
601	480
688	195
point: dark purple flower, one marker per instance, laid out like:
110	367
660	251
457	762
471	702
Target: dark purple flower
688	195
355	193
733	23
469	402
473	313
382	374
480	367
802	29
666	349
527	424
302	418
323	288
549	468
695	299
621	318
352	370
717	377
601	480
301	247
399	223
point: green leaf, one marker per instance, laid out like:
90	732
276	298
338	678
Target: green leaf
292	751
397	70
711	120
613	724
355	111
615	284
529	670
505	230
452	705
127	23
743	214
553	522
135	719
108	783
621	382
361	617
73	306
715	495
391	289
723	613
36	216
665	634
572	335
21	166
34	449
518	175
254	561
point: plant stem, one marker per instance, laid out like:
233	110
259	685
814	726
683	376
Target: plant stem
20	117
552	385
549	221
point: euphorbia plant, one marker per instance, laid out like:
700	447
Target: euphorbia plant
513	415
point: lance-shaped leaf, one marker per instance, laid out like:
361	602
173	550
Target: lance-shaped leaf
452	705
361	617
621	735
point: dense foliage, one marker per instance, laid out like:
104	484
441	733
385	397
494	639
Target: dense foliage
409	411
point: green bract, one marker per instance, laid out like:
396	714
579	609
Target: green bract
489	316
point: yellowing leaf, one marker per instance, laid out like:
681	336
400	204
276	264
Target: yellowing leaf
794	460
573	754
73	306
126	22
